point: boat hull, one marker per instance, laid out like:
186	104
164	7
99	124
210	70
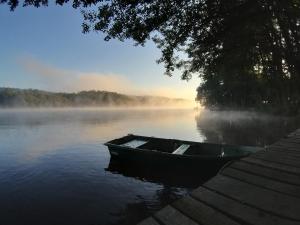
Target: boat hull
165	160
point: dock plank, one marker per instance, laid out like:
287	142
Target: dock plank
275	158
260	198
285	147
202	213
292	143
263	189
283	150
289	146
294	138
266	183
171	216
273	165
267	172
241	212
293	146
149	221
276	152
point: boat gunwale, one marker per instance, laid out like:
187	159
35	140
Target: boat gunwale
139	150
207	157
185	142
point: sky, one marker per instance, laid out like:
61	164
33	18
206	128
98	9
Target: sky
44	48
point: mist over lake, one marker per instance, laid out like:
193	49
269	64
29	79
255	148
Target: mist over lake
54	168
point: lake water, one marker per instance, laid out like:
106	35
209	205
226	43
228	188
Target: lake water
54	168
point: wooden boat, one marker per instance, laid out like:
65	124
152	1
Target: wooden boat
175	153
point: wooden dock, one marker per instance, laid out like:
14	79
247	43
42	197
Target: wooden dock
261	189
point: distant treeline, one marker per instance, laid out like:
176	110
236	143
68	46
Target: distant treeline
13	97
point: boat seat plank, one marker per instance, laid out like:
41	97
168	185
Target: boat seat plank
181	149
267	172
134	143
171	216
273	165
267	183
267	200
202	213
149	221
238	211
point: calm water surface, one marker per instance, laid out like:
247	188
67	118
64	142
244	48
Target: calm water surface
54	168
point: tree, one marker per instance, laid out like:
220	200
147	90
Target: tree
247	52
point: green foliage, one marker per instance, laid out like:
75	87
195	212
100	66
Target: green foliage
247	52
13	97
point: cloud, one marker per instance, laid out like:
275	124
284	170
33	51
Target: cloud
43	70
56	79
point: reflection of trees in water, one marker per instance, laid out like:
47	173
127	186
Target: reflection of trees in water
244	128
143	208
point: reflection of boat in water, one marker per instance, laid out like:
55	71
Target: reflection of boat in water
171	153
166	177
